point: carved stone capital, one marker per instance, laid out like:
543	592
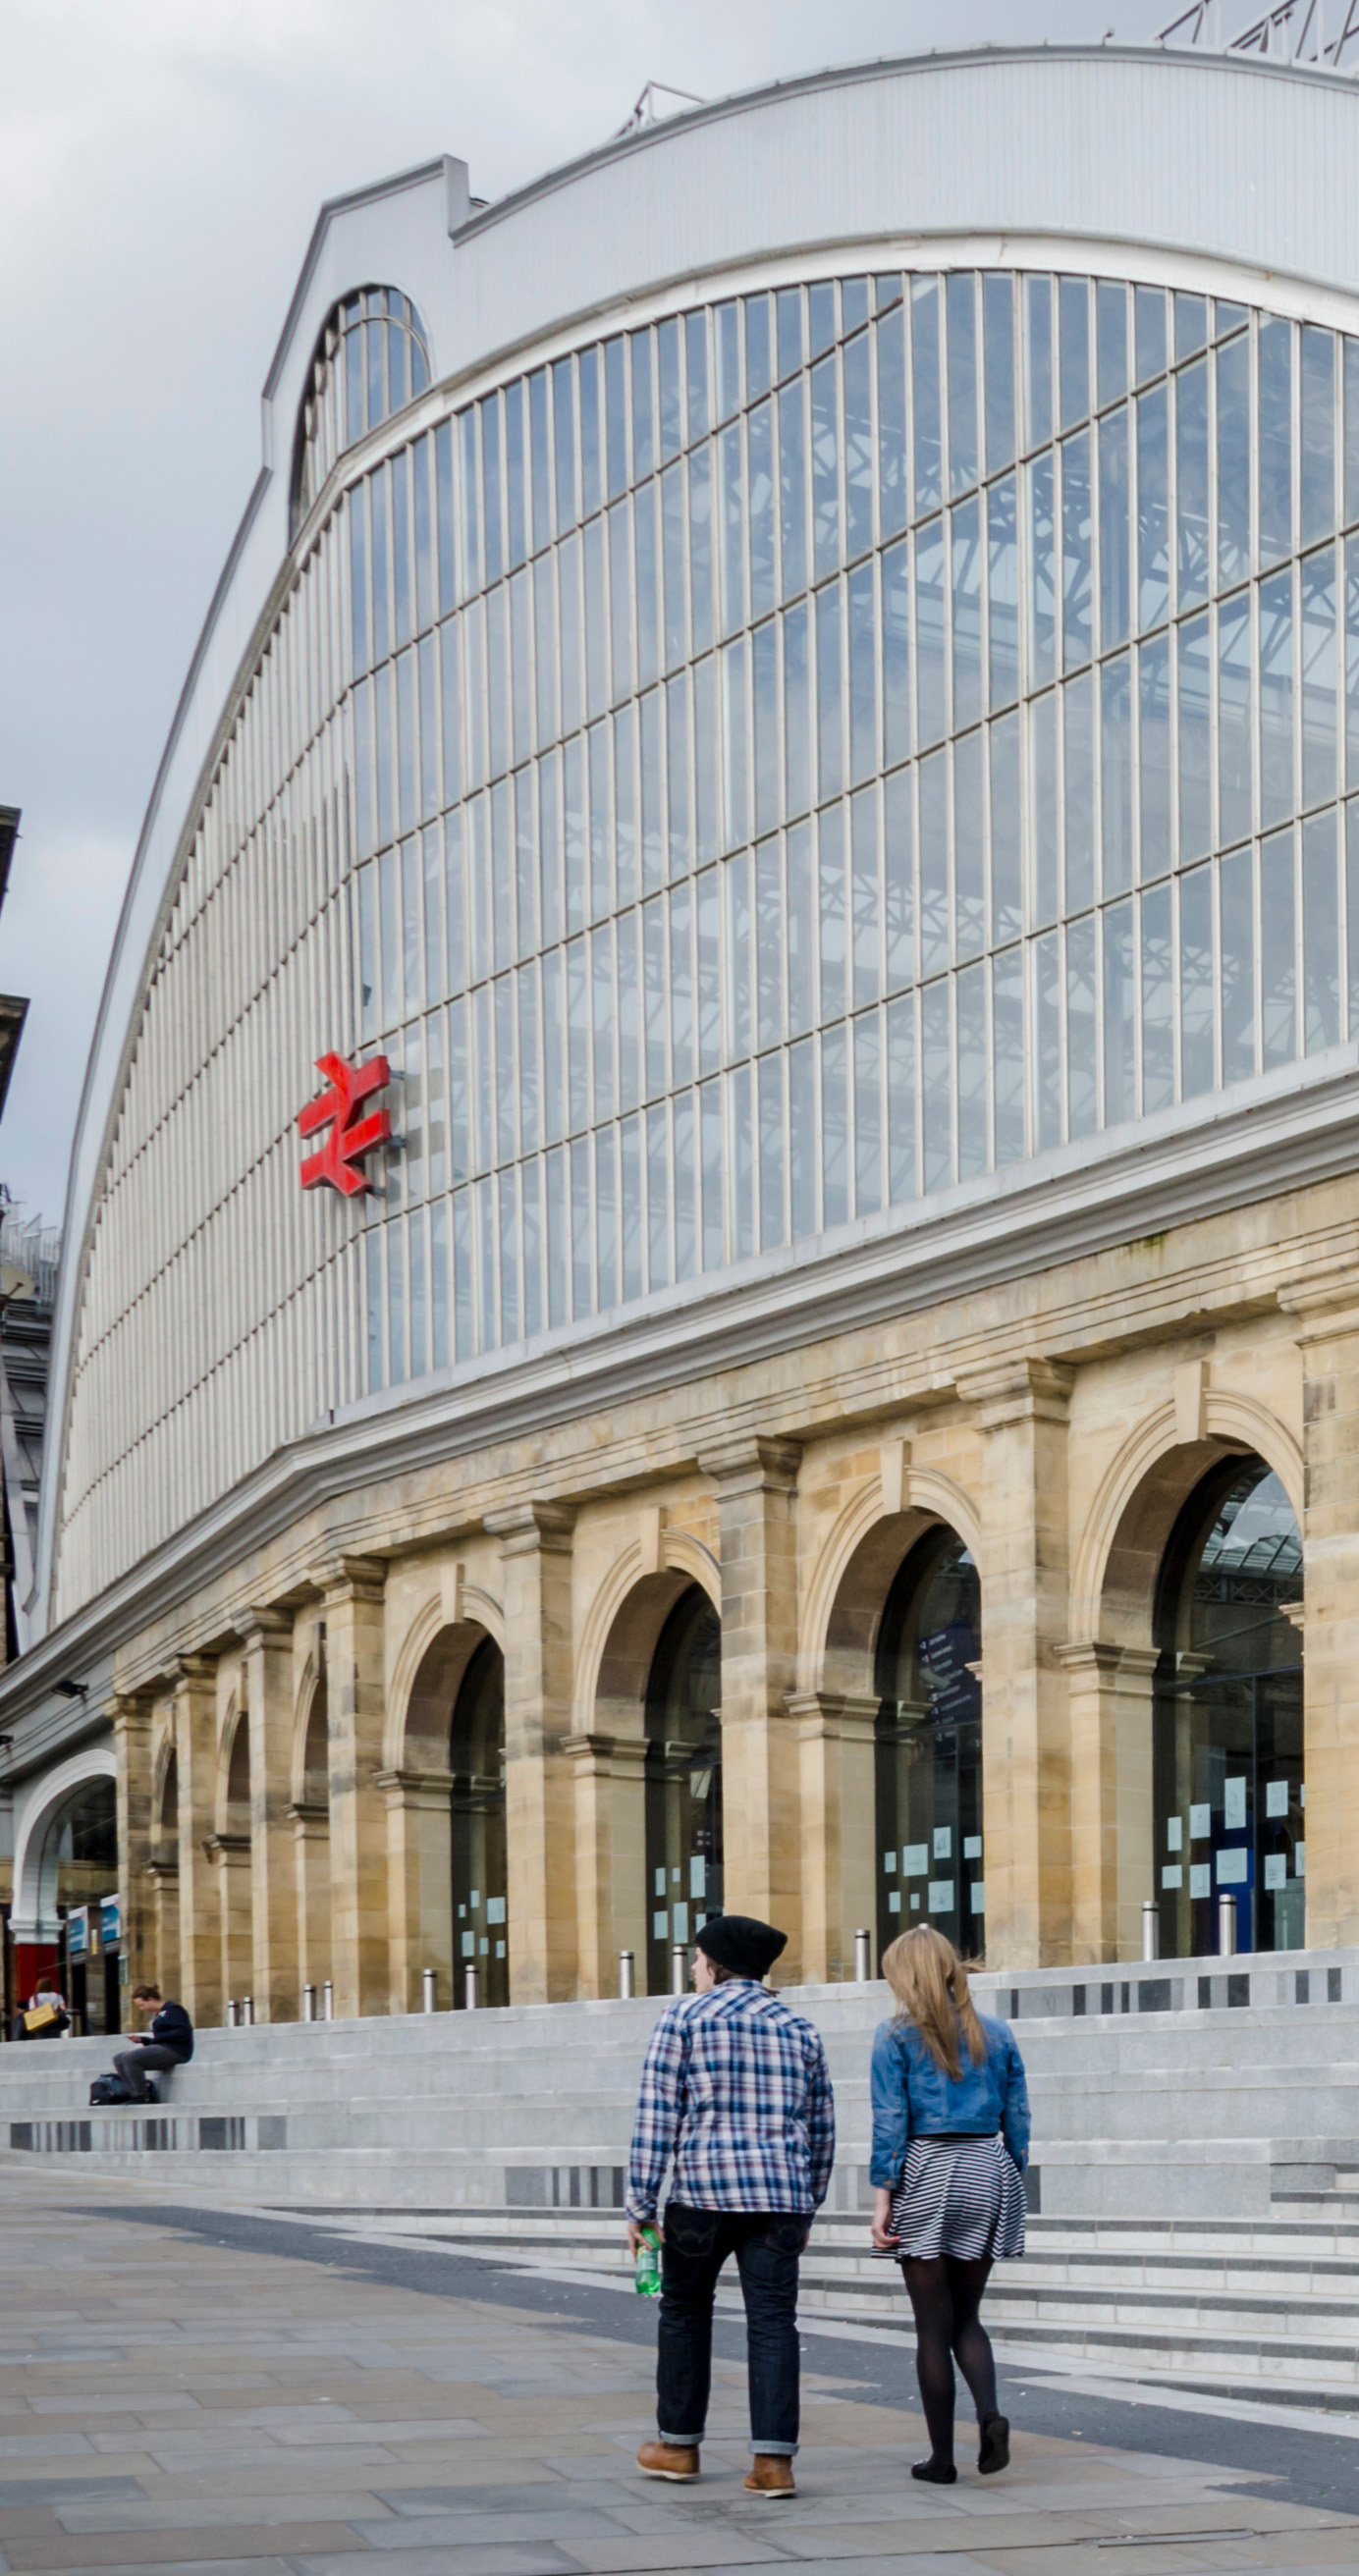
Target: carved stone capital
415	1789
227	1851
606	1756
310	1822
260	1624
528	1529
750	1462
350	1578
1017	1390
844	1717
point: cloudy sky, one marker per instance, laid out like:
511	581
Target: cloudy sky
160	170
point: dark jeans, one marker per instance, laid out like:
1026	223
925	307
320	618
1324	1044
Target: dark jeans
695	2245
149	2057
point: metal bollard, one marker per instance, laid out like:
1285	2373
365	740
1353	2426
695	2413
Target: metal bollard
471	1986
309	2003
863	1958
679	1967
429	1989
627	1973
327	2001
1226	1923
233	2013
248	2011
1151	1928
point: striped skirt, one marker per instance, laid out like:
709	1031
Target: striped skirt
962	2196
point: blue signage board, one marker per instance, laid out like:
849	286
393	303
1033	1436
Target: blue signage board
108	1922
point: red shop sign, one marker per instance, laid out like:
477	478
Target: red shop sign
351	1137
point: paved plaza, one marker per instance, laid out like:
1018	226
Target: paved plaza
180	2395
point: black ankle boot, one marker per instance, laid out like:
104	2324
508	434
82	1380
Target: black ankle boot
995	2446
936	2473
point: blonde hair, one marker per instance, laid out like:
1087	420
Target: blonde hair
929	1981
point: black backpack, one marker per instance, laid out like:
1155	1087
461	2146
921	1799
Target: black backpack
107	2089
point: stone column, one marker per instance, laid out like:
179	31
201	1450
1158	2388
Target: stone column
200	1941
610	1804
311	1882
267	1662
756	1482
419	1883
539	1820
163	1880
1328	1337
1021	1407
1113	1859
131	1715
353	1589
837	1732
230	1857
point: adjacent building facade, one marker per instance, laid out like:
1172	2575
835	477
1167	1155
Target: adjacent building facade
785	707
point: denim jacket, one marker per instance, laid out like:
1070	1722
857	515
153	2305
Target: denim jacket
914	2098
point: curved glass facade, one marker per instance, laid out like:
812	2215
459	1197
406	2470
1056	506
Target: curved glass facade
827	745
372	358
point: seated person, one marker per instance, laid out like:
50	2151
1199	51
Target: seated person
167	2043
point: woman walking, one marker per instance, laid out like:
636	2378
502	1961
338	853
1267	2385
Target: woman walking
950	2143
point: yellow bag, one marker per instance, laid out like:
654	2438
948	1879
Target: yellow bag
42	2017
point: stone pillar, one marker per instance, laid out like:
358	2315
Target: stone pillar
267	1666
539	1820
1328	1338
163	1879
200	1941
756	1482
836	1737
610	1804
1021	1408
1113	1857
131	1715
311	1878
230	1857
419	1883
353	1590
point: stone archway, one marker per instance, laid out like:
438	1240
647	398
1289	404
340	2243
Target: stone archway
309	1814
231	1852
419	1787
35	1926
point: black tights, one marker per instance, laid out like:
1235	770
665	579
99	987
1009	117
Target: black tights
946	2294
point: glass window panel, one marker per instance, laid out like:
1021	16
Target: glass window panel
1318	677
1078	726
1111	340
1042	601
1234	725
867	1115
890	334
545	647
564	439
961	295
630	1190
1276	698
492	503
829	692
1233	461
825	468
1236	924
858	448
678	841
516	492
357	508
831	880
760	433
1316	367
1003	591
974	1149
834	1129
1120	990
696	372
901	1171
591	439
899	879
1153	665
769	944
804	1153
863	674
736	879
577	1036
759	357
686	1177
965	549
1038	359
658	1197
1047	974
1114	528
765	677
470	485
1197	983
864	897
1116	758
681	991
674	555
929	631
1350	500
573	819
733	517
1006	811
736	805
1352	910
540	473
572	668
1158	1001
1074	369
925	394
382	710
998	338
624	808
1275	437
969	853
1320	933
1195	678
936	1067
644	539
1043	794
1153	509
1191	324
802	930
1191	480
1352	661
896	661
705	760
772	1154
1076	582
797	711
1007	1021
792	490
701	549
727	335
668	382
596	622
788	310
853	304
934	906
1278	965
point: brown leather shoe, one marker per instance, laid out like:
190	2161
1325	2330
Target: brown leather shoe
674	2460
771	2474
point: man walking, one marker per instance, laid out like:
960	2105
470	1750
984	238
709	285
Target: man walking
168	2042
736	2091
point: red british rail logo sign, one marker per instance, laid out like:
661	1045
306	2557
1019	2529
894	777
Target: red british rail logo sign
339	1159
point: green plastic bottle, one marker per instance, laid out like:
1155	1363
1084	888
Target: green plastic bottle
648	2265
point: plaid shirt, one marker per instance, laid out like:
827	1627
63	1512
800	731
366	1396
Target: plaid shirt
737	2090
